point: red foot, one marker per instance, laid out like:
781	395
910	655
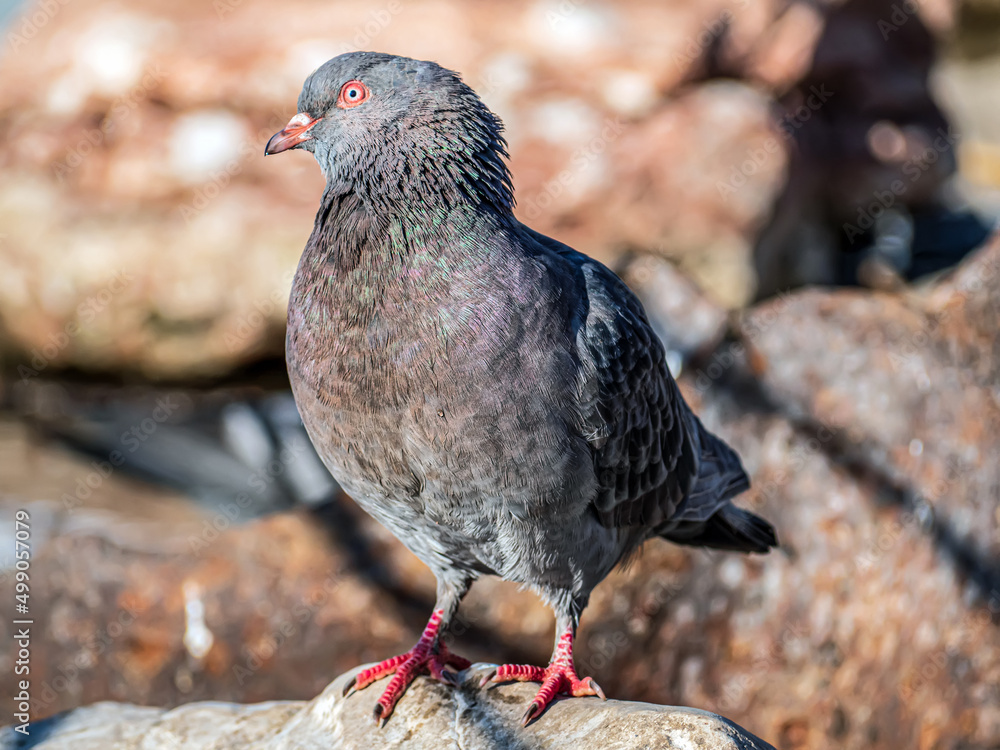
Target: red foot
559	678
422	658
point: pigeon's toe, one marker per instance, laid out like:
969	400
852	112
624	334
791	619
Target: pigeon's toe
404	669
560	680
514	673
557	679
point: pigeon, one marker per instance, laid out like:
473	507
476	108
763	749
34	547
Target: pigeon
493	397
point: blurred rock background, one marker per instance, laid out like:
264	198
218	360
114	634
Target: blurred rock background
803	194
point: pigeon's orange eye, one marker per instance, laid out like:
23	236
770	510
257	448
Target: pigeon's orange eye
352	94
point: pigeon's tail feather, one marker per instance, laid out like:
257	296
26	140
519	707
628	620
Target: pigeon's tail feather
751	529
731	528
720	477
706	517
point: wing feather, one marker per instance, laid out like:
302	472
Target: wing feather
629	409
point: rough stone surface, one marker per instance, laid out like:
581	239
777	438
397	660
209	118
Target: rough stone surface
429	716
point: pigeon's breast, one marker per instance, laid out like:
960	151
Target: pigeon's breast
353	395
448	417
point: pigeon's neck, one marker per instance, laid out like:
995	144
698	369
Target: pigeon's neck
432	180
427	203
373	244
427	165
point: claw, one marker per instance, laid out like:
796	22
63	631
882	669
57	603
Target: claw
377	717
534	708
438	669
447	677
559	678
488	678
592	684
349	688
423	658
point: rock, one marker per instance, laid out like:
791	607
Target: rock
430	715
909	381
871	442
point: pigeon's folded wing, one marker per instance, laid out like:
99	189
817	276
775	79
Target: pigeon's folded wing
628	406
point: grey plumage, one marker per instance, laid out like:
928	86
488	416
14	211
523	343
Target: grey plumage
493	397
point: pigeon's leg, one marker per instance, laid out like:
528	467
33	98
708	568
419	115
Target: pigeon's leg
428	655
559	678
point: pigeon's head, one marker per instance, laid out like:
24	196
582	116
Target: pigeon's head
392	129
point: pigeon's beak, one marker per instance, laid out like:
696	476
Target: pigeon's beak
295	133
